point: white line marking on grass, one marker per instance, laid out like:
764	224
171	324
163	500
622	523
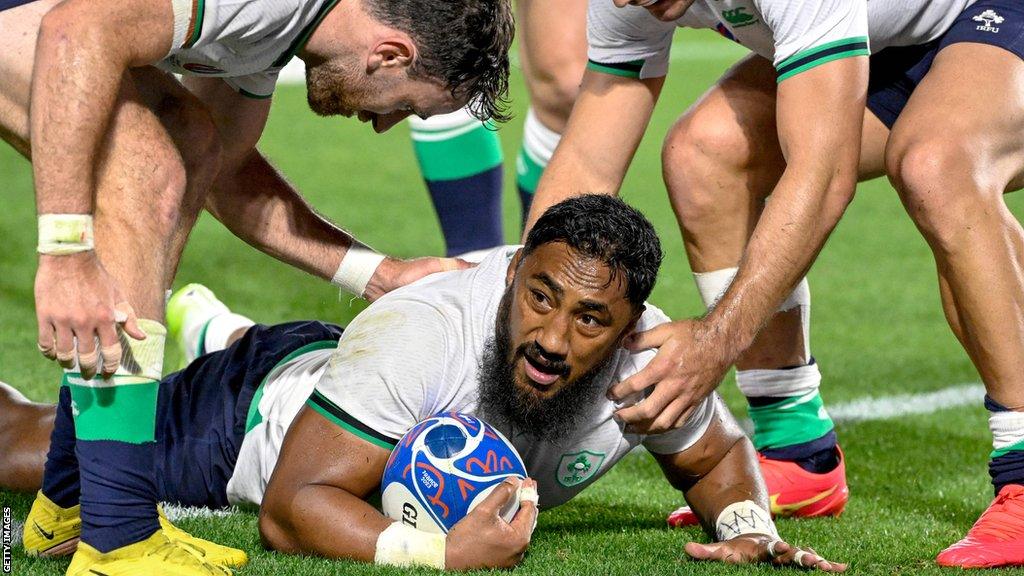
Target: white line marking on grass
17	529
892	407
175	513
899	405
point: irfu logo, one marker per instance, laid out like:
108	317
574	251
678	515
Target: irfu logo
987	19
578	467
738	17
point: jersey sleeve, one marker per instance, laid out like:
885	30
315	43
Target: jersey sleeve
813	32
381	379
627	41
257	86
690	432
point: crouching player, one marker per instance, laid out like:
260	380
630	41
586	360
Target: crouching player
530	340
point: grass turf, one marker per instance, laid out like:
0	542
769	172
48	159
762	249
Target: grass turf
917	484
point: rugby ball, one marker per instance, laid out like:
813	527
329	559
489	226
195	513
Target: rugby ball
443	467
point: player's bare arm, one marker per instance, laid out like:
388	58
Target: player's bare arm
664	10
717	472
606	126
820	115
317	505
254	200
82	56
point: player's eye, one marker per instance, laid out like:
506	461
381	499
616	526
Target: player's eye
589	321
539	297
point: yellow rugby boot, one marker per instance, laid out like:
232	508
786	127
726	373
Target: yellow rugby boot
210	551
51	530
154	556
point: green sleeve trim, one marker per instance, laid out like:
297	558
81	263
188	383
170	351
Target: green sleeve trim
253	95
624	69
303	36
195	29
846	48
320	404
253	417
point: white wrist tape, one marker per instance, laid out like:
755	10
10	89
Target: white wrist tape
744	517
401	545
356	269
62	234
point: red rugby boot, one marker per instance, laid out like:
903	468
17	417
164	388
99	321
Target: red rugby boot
996	539
792	492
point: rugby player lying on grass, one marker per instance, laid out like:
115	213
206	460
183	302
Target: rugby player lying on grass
291	419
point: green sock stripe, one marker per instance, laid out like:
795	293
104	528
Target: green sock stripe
1018	447
201	344
528	171
465	153
790	421
122	413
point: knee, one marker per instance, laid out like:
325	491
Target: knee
553	93
942	188
694	155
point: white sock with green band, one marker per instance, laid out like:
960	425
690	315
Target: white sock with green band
790	410
539	143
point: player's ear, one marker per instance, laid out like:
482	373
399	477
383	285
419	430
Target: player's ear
631	327
510	274
391	52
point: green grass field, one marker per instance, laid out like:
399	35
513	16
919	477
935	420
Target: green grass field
916	483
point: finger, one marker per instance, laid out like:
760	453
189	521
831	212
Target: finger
65	346
669	416
642	414
124	315
45	341
649	339
88	355
110	350
777	548
650	375
525	519
682	418
499	497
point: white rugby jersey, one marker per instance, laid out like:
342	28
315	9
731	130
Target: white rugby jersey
416	352
245	42
795	35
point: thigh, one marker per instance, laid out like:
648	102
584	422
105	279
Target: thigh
553	54
20	26
972	102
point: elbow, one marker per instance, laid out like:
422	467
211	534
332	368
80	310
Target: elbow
838	196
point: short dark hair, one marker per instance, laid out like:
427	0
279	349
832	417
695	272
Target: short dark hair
607	229
462	43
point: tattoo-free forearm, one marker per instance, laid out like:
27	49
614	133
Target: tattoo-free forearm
324	521
259	206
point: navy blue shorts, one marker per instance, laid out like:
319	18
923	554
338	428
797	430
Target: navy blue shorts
896	71
8	4
202	410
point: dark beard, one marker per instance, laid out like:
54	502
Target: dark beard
502	402
323	90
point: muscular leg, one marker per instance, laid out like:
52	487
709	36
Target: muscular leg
141	178
553	53
951	176
24	437
721	162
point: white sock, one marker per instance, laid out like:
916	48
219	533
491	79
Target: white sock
220	328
